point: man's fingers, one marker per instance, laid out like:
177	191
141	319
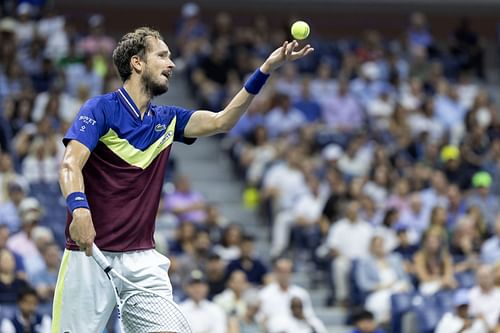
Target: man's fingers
88	251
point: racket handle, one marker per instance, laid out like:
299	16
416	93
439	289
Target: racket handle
100	258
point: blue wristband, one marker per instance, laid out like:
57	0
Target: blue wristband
77	200
255	82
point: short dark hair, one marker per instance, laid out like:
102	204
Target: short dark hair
26	291
132	43
362	314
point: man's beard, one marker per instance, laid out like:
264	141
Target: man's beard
151	88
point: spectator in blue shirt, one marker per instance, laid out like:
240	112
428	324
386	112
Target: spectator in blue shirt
253	267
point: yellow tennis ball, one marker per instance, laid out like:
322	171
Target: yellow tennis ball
300	30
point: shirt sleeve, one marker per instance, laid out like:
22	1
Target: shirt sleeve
182	118
89	124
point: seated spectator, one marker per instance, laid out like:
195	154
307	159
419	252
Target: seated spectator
204	315
275	298
45	280
433	264
297	322
490	250
41	164
197	259
10	284
215	275
229	247
364	321
380	275
185	203
9	211
283	118
215	222
4	236
304	216
357	159
405	248
484	198
184	239
348	239
416	218
465	245
23	242
308	105
233	299
458	320
26	319
456	205
253	267
484	297
83	74
387	230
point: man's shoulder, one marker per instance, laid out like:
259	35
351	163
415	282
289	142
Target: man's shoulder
101	102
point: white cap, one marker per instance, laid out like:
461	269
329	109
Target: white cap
8	24
332	152
30	210
370	70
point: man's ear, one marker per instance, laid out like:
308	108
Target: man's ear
136	63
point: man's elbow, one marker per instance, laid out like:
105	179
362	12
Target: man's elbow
223	126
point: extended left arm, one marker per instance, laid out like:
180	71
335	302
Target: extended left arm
204	123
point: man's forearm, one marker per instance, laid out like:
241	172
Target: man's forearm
70	179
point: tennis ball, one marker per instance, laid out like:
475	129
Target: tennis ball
300	30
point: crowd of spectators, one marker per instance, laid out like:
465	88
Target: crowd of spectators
373	163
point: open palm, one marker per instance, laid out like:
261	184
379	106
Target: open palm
287	52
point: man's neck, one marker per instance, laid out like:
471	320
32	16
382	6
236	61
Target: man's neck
136	92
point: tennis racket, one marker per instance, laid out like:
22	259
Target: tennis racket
144	310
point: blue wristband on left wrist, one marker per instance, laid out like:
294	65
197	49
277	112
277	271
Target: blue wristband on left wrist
77	200
256	81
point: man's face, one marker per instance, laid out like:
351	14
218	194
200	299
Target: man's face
157	68
28	305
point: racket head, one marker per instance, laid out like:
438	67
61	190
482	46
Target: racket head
147	311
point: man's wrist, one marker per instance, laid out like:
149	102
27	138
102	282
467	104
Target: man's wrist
77	200
265	68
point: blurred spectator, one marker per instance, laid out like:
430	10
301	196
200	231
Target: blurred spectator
4	236
25	28
357	159
348	239
490	250
454	167
416	218
253	267
459	321
306	103
229	247
284	181
365	323
9	211
323	85
26	319
466	48
456	205
197	258
379	276
380	109
341	110
215	222
288	82
215	270
55	29
10	283
97	42
483	198
297	322
45	280
204	315
191	33
419	35
484	297
24	241
83	74
234	299
185	203
56	103
283	118
304	216
184	239
405	248
433	264
275	299
41	164
387	229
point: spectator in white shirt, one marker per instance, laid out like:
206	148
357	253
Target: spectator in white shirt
306	214
232	300
459	321
490	251
348	239
204	316
485	297
297	322
275	299
283	118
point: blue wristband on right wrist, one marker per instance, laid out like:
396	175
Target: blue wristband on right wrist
77	200
256	81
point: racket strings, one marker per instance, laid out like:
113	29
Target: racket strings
144	312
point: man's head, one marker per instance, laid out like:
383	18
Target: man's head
52	255
297	307
27	301
143	54
365	321
247	246
7	262
197	287
283	271
461	302
237	282
485	278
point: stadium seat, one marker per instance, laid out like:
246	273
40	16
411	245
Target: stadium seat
401	303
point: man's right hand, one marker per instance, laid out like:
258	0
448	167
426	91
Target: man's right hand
81	230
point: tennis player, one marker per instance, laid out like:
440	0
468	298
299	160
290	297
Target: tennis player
112	174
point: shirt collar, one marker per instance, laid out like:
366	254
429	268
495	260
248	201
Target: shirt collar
130	103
